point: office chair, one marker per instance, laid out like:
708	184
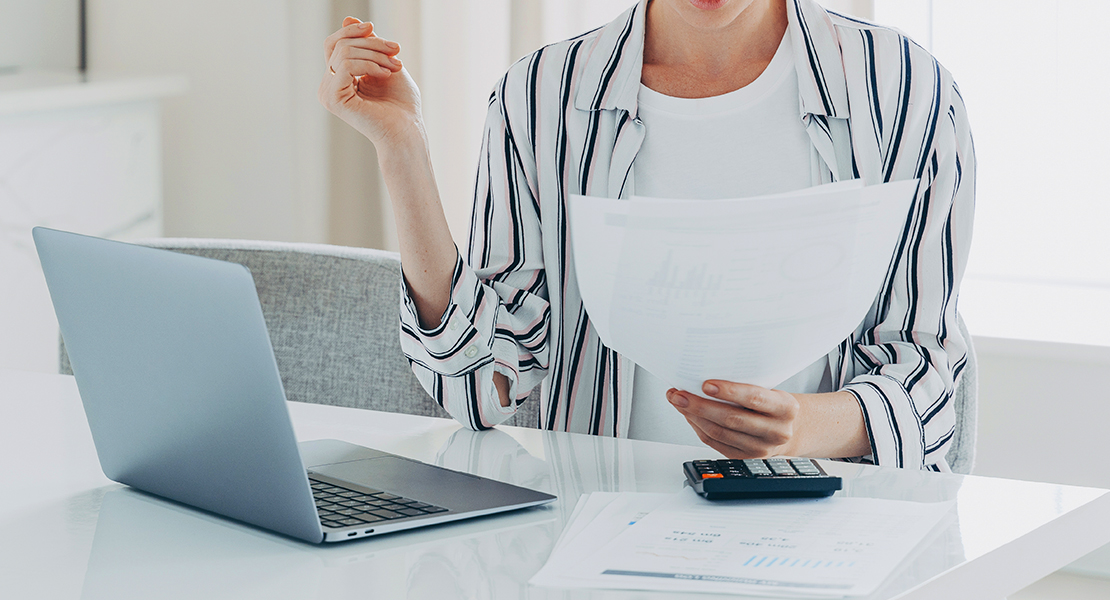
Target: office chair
965	399
332	316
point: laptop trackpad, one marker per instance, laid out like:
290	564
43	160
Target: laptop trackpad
427	483
325	452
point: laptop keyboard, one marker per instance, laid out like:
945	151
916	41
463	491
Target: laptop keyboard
341	507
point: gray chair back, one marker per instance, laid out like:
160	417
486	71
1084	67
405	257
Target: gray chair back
965	399
332	316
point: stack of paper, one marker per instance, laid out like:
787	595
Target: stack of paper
813	548
750	290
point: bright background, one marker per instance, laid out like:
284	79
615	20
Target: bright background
249	153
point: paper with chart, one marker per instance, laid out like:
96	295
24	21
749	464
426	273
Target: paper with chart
819	548
750	290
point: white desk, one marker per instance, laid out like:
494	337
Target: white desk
67	532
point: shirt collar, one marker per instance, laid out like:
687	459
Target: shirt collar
611	76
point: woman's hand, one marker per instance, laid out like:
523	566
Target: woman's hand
747	421
751	422
367	86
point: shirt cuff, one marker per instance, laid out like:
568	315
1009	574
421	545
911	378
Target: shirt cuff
453	346
893	427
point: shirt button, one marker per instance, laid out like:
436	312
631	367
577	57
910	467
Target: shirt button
453	325
471	352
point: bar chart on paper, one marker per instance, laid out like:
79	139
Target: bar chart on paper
800	563
690	290
697	280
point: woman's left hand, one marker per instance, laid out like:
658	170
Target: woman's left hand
745	421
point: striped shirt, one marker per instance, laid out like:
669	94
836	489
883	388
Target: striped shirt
563	121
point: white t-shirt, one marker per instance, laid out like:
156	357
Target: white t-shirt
748	142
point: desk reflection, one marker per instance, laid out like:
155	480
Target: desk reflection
942	549
148	547
145	546
571	465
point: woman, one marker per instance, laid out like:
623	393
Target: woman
806	96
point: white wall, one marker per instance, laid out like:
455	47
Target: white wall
246	149
456	69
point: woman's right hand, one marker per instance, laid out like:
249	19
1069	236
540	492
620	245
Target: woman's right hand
367	86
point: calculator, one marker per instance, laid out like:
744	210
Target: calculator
760	478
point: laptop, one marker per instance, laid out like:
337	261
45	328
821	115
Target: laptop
183	397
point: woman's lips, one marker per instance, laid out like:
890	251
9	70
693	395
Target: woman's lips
708	4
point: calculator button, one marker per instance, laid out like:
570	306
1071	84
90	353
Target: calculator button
783	469
711	476
805	466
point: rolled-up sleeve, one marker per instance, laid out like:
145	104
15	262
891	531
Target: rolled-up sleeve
498	317
911	358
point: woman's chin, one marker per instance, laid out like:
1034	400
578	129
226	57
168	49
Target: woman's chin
710	14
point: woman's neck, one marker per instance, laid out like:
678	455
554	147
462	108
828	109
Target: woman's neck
706	58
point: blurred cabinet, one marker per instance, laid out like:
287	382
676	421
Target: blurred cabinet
80	154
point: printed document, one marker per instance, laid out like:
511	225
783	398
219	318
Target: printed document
750	290
816	548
